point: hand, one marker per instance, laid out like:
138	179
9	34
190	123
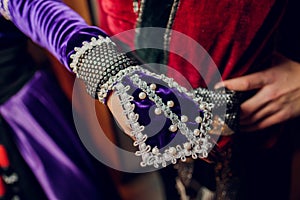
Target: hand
114	104
278	96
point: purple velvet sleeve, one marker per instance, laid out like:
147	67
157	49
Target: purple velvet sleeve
52	25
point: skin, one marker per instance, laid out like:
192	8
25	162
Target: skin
116	109
278	96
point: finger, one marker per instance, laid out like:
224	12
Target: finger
244	83
257	102
266	111
269	121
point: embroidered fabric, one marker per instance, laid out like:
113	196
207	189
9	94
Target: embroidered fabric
143	93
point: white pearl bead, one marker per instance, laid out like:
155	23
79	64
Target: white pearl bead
142	95
152	86
127	105
196	132
172	150
173	128
170	104
143	146
198	119
187	145
131	115
155	150
139	135
201	106
157	111
184	118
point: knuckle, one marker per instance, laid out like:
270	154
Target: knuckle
283	116
273	94
246	84
269	76
275	107
287	113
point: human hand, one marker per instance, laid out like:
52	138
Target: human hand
115	107
278	96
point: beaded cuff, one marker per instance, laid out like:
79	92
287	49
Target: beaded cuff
4	11
96	61
226	99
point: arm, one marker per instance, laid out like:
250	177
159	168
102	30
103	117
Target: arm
51	24
104	69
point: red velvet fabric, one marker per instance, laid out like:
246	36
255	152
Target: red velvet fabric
233	32
236	33
117	16
225	29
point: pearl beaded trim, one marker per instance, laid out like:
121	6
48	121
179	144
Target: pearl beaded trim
196	146
105	88
86	46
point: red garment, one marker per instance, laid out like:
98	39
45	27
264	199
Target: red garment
233	32
116	16
237	34
4	164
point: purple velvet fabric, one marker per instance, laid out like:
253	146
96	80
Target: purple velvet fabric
39	114
52	24
47	140
55	26
157	126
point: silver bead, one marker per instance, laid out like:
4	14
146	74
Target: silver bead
173	128
139	135
155	150
170	104
131	115
201	107
152	86
157	111
187	146
198	119
142	95
196	132
172	150
143	146
184	118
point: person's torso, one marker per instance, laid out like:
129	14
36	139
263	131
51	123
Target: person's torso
238	35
